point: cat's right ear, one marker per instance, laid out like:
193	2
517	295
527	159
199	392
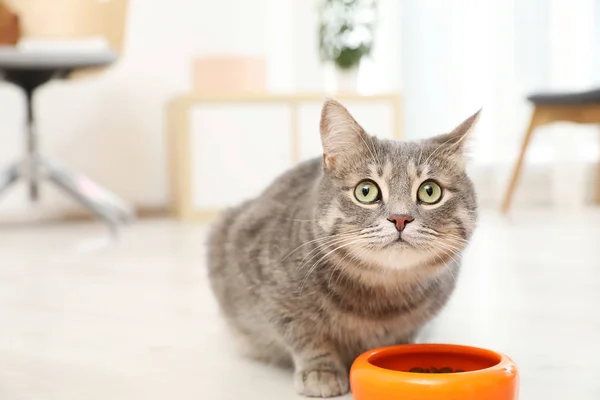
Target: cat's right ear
341	135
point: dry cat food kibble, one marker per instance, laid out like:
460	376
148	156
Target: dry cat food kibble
434	370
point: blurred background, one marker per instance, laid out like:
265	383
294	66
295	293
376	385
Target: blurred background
443	59
152	116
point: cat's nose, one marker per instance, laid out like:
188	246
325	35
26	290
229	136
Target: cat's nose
400	221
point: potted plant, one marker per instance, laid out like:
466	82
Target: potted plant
346	33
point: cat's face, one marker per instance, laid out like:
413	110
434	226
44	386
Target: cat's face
398	205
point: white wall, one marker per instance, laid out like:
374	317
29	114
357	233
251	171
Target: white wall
464	54
224	174
111	126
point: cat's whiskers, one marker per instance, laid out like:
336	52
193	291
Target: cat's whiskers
364	249
354	256
450	253
324	246
337	265
455	246
316	264
457	238
454	239
443	262
322	238
443	235
333	241
429	231
447	248
432	253
367	233
435	257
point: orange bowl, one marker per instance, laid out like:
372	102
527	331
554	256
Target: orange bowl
384	374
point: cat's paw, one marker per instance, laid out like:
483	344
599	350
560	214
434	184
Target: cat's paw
321	383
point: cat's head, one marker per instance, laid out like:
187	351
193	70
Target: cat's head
395	204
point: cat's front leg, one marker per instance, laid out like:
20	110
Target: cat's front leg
319	370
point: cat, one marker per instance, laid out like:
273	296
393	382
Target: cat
345	253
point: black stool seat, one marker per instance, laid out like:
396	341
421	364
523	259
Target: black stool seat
30	69
567	99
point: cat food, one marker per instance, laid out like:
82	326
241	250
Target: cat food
434	370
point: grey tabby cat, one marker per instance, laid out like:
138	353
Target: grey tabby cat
346	253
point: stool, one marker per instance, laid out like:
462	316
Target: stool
29	71
580	107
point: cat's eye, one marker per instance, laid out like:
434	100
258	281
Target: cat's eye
367	192
429	193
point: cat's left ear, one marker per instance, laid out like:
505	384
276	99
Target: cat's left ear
453	143
341	135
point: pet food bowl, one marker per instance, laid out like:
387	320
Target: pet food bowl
450	372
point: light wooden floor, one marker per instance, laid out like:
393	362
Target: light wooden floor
81	318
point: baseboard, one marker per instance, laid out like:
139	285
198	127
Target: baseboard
142	212
43	217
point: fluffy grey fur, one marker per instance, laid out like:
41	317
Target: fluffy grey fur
308	276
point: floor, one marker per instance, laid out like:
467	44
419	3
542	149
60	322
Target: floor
84	318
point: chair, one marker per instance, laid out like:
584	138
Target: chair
62	19
577	107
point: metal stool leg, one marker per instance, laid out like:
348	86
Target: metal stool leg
98	200
33	173
92	196
9	176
